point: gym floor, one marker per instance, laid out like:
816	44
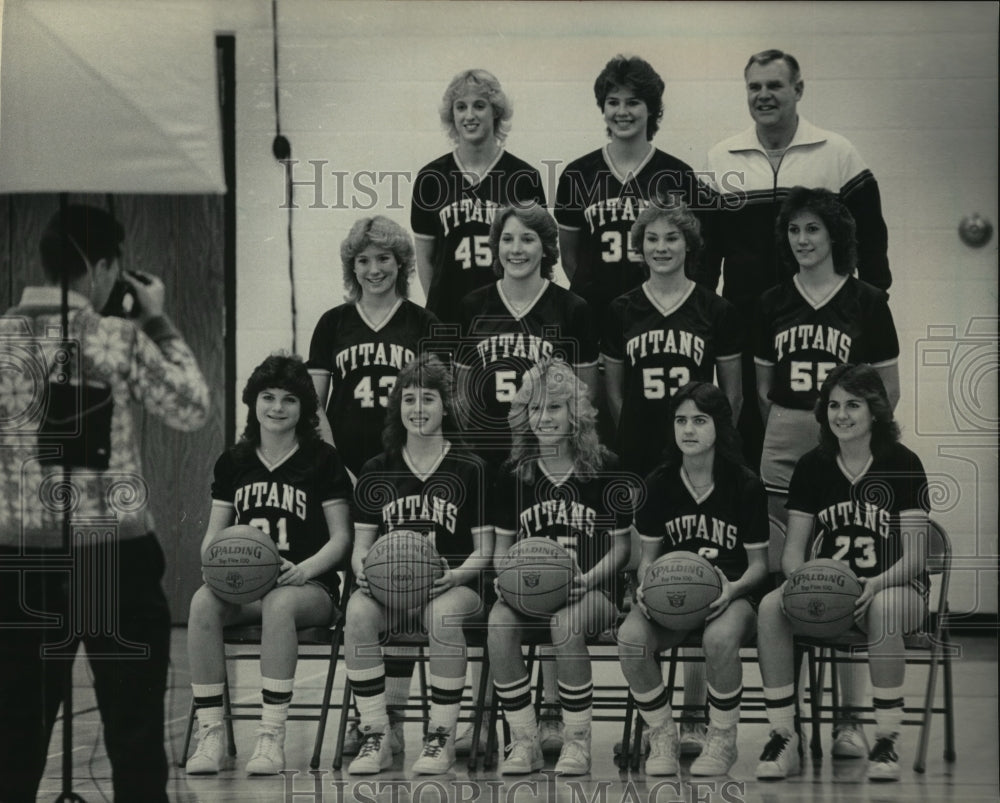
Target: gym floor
973	777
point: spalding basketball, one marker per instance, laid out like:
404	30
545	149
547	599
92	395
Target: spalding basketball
819	598
241	564
535	575
400	569
678	588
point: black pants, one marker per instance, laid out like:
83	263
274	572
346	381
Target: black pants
123	620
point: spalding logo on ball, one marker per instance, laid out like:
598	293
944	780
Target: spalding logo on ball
401	568
535	575
678	589
819	598
241	564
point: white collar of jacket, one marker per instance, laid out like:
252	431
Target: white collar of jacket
51	296
805	134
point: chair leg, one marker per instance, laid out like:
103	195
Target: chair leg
338	755
227	708
492	749
919	760
949	704
815	696
626	752
635	759
187	736
327	694
480	710
425	706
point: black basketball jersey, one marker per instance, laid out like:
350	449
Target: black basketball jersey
363	361
857	520
447	505
499	346
721	525
596	200
582	514
662	350
457	215
285	500
805	342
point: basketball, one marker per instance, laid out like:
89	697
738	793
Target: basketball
400	569
678	588
819	598
241	564
535	576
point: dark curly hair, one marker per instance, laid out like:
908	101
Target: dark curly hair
536	218
428	372
287	372
863	381
711	401
673	211
638	75
835	216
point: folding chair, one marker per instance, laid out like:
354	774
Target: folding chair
472	709
250	636
934	640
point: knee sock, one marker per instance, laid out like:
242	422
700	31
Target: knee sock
888	703
276	694
516	701
724	707
577	706
208	702
780	705
369	696
398	677
853	680
654	705
446	700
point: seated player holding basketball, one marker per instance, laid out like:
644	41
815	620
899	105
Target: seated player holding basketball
557	485
424	482
701	500
865	496
284	480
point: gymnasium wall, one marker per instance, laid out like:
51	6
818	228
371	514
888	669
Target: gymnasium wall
913	85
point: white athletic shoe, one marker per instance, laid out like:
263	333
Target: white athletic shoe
883	761
524	753
780	757
438	755
719	753
207	758
374	755
663	750
269	753
574	758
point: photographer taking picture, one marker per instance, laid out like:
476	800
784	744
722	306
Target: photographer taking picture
69	450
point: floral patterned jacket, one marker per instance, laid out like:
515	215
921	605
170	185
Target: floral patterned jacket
152	366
